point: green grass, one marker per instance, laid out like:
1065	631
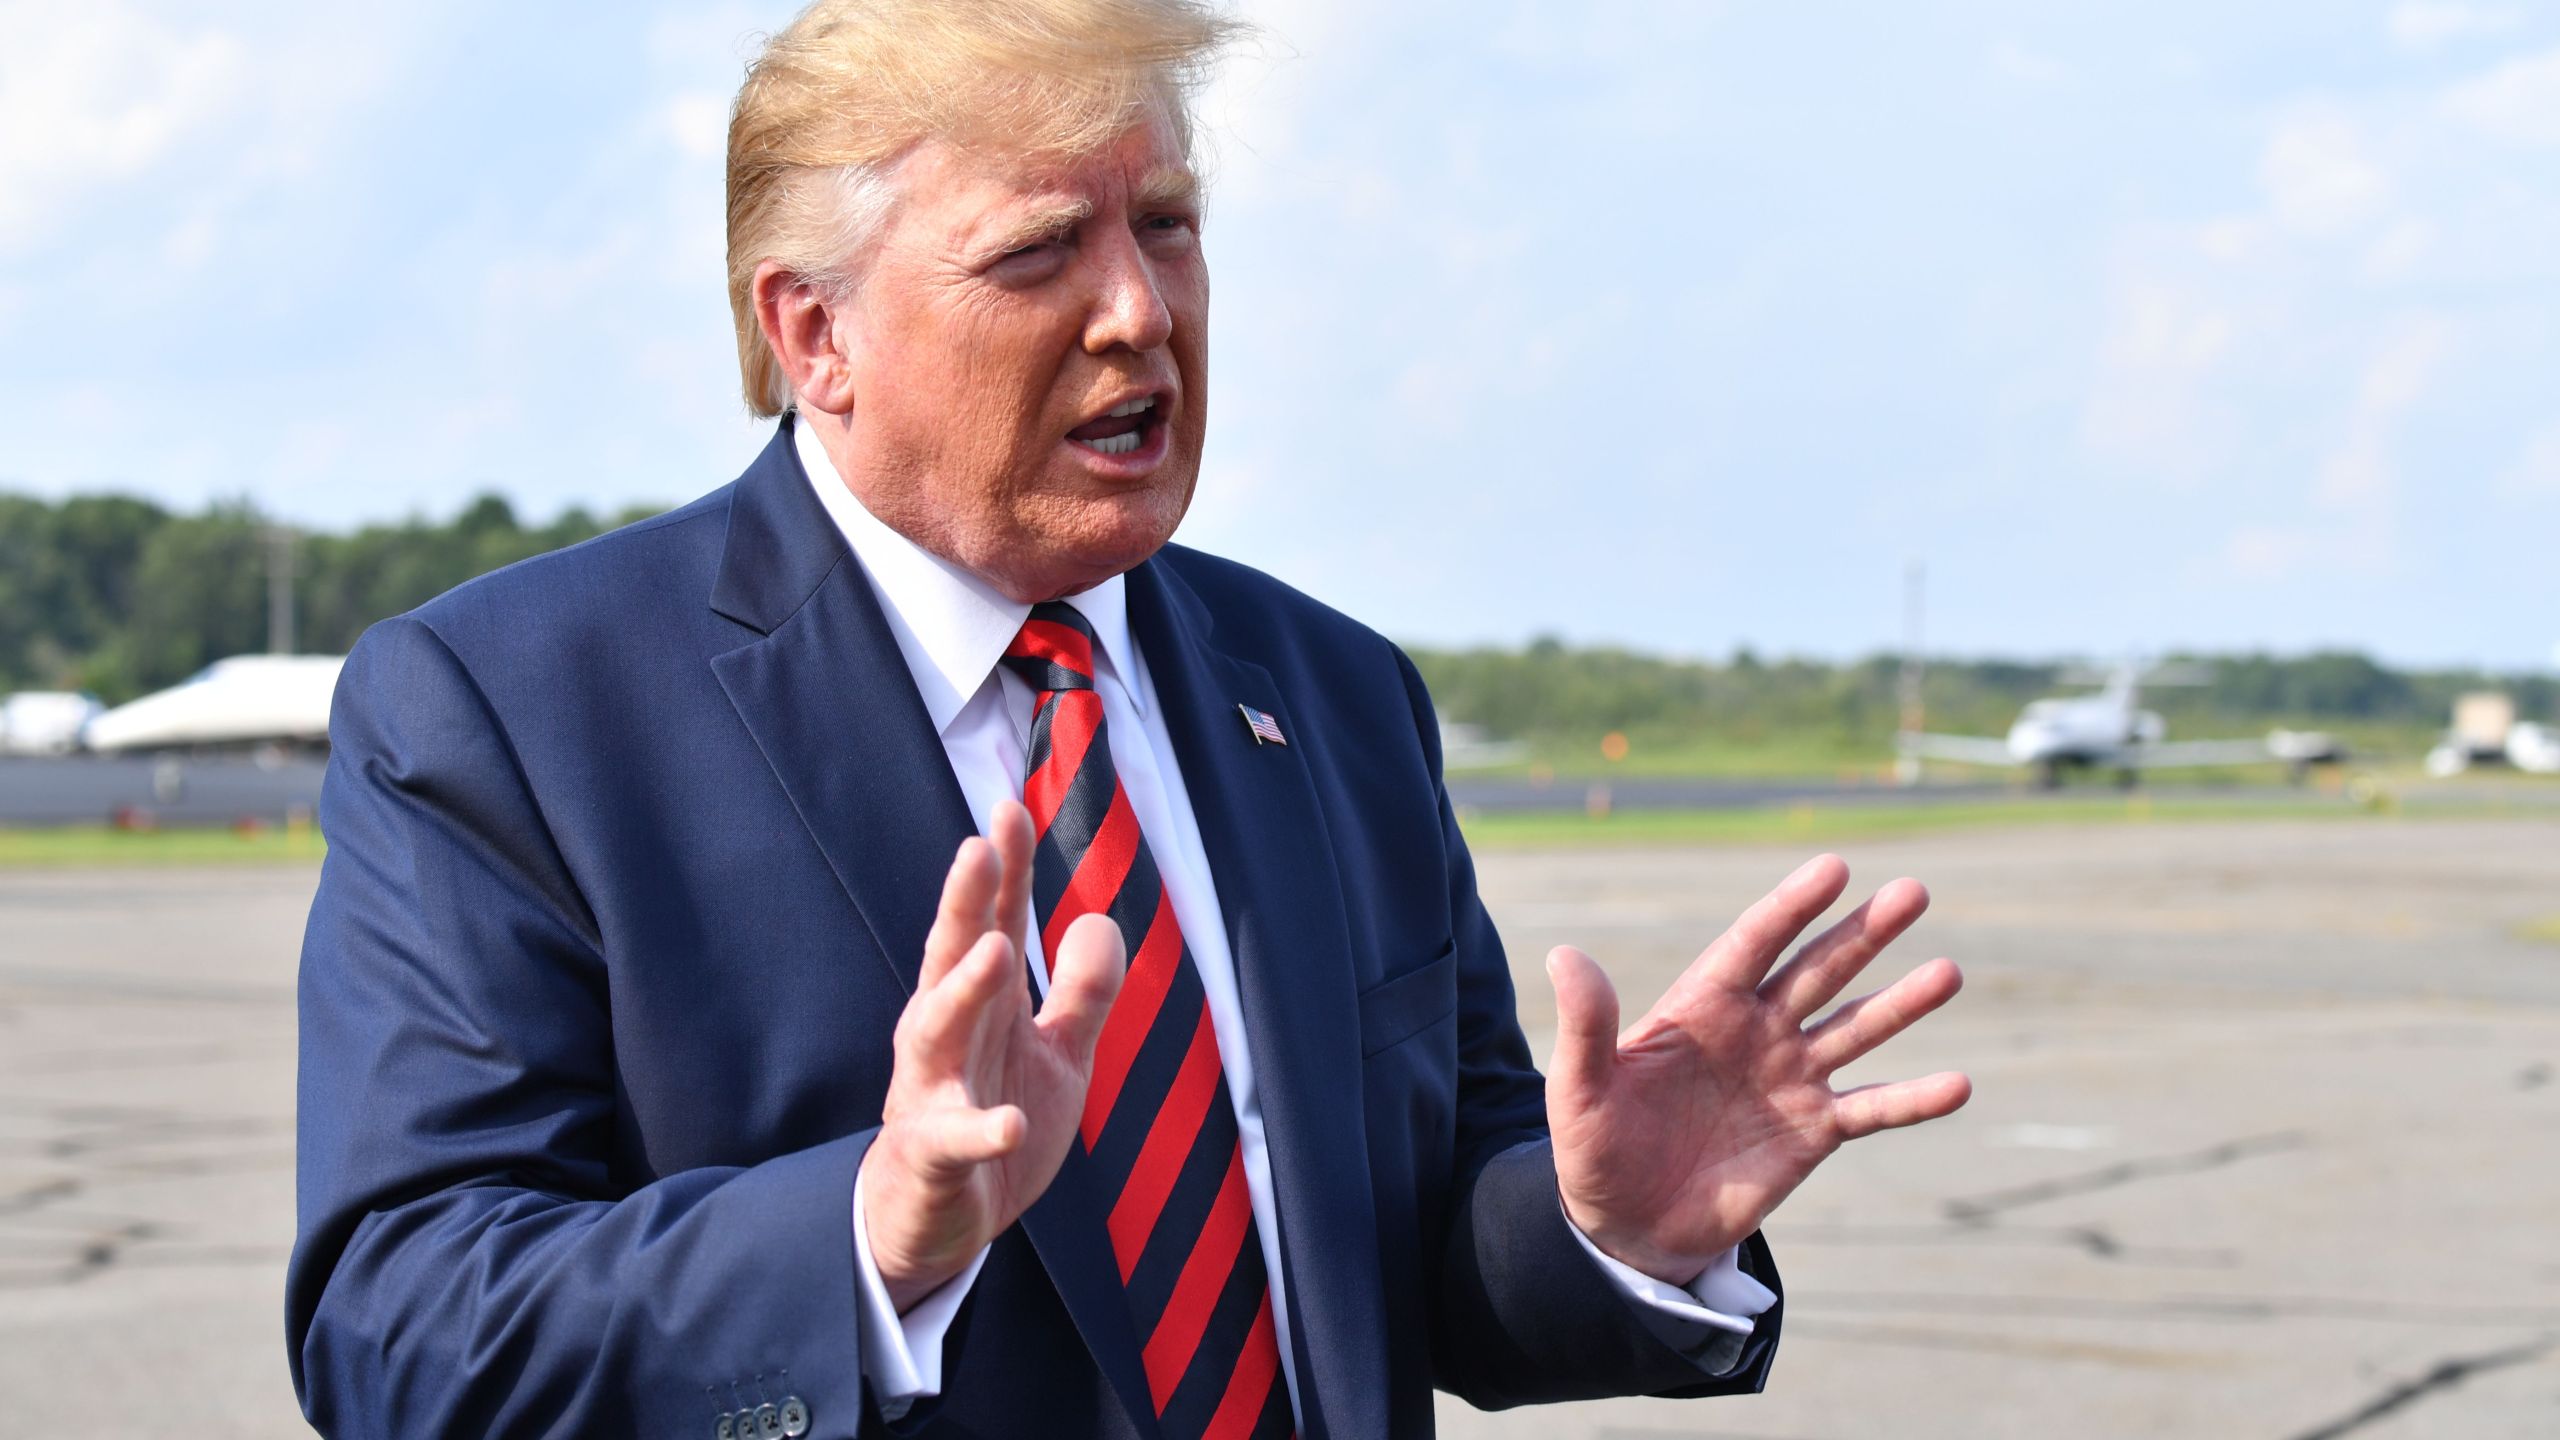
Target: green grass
1823	824
1816	752
95	845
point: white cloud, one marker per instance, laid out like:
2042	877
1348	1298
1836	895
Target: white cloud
2518	101
2398	376
2162	344
2425	24
698	122
2400	248
2318	174
93	95
2360	471
2536	472
2266	552
2014	59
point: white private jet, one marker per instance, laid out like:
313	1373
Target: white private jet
2108	730
244	700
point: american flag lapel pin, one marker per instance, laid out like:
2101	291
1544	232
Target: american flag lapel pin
1266	731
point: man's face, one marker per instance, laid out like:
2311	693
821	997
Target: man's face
1013	305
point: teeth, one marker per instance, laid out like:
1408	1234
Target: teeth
1114	444
1133	407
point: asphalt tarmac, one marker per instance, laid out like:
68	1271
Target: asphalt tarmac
2266	1140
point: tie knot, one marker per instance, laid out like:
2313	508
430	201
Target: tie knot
1054	650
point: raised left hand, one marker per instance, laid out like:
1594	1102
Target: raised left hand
1676	1139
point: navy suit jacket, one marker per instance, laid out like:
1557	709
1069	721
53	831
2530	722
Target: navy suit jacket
632	851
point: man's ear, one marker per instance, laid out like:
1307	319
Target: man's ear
799	319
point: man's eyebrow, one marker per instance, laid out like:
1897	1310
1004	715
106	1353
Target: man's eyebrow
1043	221
1169	187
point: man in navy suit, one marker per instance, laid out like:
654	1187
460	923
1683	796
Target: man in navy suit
895	944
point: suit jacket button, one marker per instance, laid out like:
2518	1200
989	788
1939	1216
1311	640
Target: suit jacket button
795	1417
727	1429
768	1422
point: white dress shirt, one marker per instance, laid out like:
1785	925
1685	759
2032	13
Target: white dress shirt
952	628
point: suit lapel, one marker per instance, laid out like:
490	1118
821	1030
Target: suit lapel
1271	858
829	700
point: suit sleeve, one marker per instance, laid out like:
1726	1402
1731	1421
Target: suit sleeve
466	1260
1521	1312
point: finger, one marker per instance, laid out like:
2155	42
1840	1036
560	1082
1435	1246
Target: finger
967	892
1870	1020
1826	965
1011	833
1091	963
948	1142
1870	1108
1744	953
1586	1053
943	1024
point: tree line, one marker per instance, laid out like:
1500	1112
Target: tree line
1549	690
119	596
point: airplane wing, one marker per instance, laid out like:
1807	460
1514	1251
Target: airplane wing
1963	749
2196	753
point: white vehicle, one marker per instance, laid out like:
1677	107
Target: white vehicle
2526	745
2534	748
245	700
1464	747
2108	730
44	722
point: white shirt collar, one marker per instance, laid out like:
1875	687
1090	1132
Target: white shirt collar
951	626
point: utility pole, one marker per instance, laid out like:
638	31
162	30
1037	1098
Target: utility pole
279	590
1906	767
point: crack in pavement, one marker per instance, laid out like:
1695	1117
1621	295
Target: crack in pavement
2136	1357
1984	1209
38	1195
91	1256
2445	1375
2096	1241
2225	1308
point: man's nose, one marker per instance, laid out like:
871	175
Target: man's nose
1128	305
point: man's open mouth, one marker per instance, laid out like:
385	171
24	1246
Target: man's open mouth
1121	431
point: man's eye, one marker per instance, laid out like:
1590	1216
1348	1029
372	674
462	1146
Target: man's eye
1029	262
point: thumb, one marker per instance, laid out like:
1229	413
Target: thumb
1586	1025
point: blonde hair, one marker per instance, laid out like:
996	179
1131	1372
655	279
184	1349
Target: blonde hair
839	97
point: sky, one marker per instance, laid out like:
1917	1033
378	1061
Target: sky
2143	326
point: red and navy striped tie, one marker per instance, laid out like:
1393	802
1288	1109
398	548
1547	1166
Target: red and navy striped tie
1158	1124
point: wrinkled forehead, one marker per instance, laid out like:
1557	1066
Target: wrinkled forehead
983	185
1150	156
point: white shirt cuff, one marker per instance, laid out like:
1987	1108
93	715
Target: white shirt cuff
902	1354
1721	1296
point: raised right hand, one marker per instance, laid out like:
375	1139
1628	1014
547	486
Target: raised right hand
983	1095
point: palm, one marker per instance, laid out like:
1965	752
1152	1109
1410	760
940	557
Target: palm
985	1095
1676	1139
1041	1074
